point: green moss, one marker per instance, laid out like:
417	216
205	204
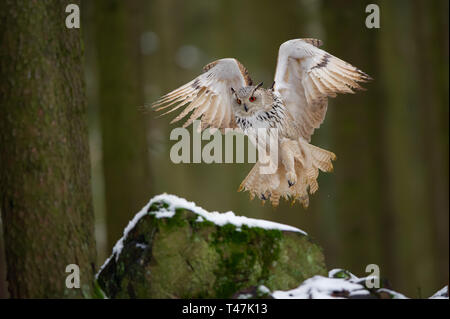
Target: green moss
344	274
247	256
98	292
182	266
157	206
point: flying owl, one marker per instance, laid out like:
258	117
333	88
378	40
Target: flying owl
295	105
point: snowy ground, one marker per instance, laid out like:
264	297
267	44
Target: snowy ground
336	287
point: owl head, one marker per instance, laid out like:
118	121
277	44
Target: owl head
249	99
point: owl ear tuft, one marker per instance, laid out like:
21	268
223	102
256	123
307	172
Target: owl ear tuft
272	86
257	87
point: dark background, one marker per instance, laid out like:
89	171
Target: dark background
386	202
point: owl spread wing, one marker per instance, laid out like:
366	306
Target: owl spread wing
306	76
208	96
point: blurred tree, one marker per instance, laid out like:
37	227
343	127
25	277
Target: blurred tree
414	77
356	138
45	191
125	157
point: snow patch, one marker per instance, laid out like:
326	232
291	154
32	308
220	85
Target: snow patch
331	287
441	294
264	290
199	219
141	246
319	287
163	214
217	218
394	294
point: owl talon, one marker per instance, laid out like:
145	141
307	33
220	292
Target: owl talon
291	178
265	196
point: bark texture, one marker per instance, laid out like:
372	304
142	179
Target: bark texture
45	190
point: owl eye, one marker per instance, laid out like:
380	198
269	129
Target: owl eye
238	101
252	99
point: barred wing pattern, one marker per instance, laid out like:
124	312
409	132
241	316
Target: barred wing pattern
208	96
306	76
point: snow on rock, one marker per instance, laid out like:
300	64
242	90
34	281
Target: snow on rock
217	218
441	294
319	287
339	284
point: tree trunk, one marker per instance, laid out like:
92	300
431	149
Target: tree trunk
3	282
45	190
125	156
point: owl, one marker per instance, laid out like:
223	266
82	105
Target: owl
224	96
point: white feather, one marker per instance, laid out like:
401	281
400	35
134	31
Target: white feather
209	95
306	75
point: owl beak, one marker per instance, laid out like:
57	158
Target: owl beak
245	107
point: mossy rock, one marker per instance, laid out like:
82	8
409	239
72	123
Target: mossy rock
173	249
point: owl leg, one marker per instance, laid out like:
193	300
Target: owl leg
288	160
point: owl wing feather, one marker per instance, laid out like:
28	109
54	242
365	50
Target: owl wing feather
208	96
306	76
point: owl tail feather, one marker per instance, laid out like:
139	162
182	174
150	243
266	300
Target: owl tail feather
297	158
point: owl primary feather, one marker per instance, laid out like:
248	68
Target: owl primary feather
224	96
